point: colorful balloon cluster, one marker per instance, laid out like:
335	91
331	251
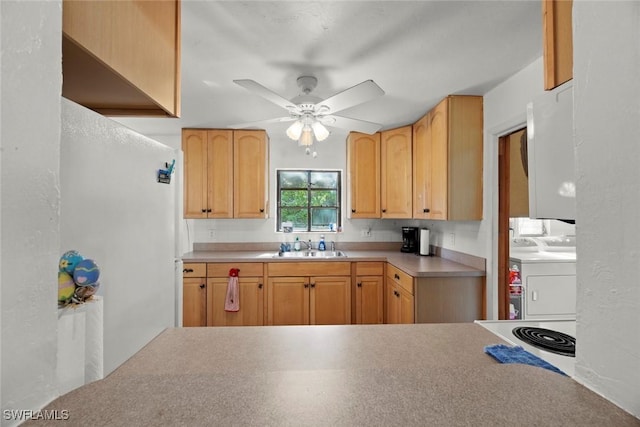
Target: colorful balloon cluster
77	278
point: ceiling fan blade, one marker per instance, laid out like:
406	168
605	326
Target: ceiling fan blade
355	95
354	125
267	94
260	123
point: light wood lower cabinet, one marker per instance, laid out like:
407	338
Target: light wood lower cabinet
368	293
251	302
251	296
398	296
317	293
194	294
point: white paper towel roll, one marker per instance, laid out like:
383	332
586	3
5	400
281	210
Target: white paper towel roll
424	241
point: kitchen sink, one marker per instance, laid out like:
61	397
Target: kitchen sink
310	254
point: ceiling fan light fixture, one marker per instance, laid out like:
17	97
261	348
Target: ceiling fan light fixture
320	131
306	139
295	130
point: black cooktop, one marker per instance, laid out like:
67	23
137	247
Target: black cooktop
546	339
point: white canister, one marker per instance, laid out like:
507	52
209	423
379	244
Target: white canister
424	241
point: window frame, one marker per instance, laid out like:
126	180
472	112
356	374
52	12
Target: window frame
338	206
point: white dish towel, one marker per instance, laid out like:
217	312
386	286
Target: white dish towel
232	300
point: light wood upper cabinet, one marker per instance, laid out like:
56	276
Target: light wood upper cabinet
220	179
122	57
225	173
557	42
208	173
447	161
363	160
250	174
396	173
194	146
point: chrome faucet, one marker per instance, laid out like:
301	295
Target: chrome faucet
309	245
333	246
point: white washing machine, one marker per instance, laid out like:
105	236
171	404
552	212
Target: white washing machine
548	273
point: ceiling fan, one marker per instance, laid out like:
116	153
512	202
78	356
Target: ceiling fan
311	114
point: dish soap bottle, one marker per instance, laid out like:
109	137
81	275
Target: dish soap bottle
296	244
321	245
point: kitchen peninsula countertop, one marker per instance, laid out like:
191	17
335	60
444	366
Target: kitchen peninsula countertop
350	375
412	264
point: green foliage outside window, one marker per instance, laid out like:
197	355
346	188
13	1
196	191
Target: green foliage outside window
309	199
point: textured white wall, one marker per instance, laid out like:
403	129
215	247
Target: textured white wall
504	111
115	212
607	129
30	127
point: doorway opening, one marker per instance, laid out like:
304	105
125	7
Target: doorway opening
513	201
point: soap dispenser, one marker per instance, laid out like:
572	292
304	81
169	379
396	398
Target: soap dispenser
321	245
296	244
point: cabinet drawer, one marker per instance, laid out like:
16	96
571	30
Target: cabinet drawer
323	268
400	277
194	269
365	268
247	269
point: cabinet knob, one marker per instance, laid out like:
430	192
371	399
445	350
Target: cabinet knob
384	210
396	276
202	286
425	210
261	210
306	285
259	285
359	284
208	210
204	210
353	211
313	285
187	270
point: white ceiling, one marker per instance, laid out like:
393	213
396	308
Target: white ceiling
417	51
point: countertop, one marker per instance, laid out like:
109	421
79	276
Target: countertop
412	264
350	375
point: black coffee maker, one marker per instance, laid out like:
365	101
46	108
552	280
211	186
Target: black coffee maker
410	239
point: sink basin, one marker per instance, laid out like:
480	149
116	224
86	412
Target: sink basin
311	254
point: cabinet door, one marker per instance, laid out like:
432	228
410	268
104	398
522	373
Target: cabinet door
251	302
220	173
194	301
558	42
363	159
438	174
392	314
330	300
421	169
288	301
194	146
405	302
249	174
396	173
369	299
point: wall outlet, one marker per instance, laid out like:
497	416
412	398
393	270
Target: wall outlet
451	239
212	233
366	232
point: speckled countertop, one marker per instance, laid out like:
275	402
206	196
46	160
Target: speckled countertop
412	264
349	375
